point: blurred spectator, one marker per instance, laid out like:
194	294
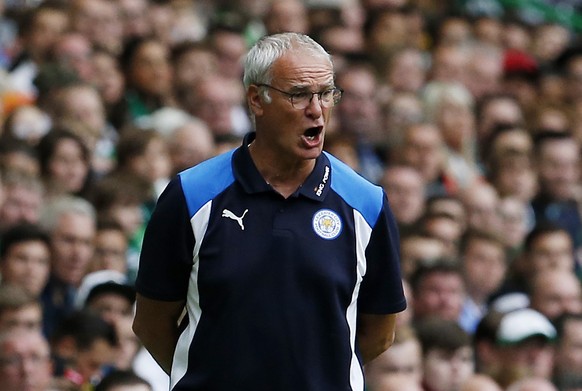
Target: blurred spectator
555	293
70	222
359	115
25	258
229	46
558	167
218	101
438	291
568	359
481	204
423	148
109	81
80	107
546	247
484	70
484	268
532	383
124	199
100	22
23	196
111	247
523	347
515	225
447	354
123	380
493	111
38	30
83	347
406	70
148	75
135	18
450	107
73	50
19	157
480	382
18	309
143	153
65	162
417	249
404	358
286	16
445	228
24	361
191	62
190	144
405	189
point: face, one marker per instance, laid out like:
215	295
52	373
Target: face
108	77
294	136
401	359
27	264
150	70
154	163
530	358
557	293
110	251
21	204
484	266
25	363
423	150
559	168
193	66
84	104
47	27
405	189
90	362
74	51
457	124
111	306
73	246
569	352
552	251
68	167
448	231
217	98
440	294
28	317
359	111
446	371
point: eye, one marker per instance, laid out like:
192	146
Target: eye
301	96
327	94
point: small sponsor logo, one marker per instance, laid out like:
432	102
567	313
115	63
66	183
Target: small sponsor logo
319	189
327	224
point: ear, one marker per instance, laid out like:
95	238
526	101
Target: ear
254	100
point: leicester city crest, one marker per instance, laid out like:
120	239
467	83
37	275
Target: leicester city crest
327	224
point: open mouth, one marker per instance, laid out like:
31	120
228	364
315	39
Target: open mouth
312	133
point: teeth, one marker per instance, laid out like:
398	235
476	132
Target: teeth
311	138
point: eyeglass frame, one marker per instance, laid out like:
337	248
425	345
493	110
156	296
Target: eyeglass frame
291	96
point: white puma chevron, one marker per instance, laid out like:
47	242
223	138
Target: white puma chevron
239	220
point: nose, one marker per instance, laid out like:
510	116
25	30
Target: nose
315	108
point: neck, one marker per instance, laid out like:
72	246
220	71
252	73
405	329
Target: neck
283	175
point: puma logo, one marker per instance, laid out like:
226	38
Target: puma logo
239	220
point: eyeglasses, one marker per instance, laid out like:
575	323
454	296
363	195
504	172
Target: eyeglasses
300	100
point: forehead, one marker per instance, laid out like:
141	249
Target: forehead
302	67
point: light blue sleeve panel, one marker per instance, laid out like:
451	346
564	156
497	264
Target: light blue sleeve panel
358	192
206	180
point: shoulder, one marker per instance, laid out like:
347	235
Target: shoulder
206	180
355	190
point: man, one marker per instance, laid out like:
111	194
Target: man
315	296
24	361
70	222
568	359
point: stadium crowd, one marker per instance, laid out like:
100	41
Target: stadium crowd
468	113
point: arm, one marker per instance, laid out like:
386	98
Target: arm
375	334
156	325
